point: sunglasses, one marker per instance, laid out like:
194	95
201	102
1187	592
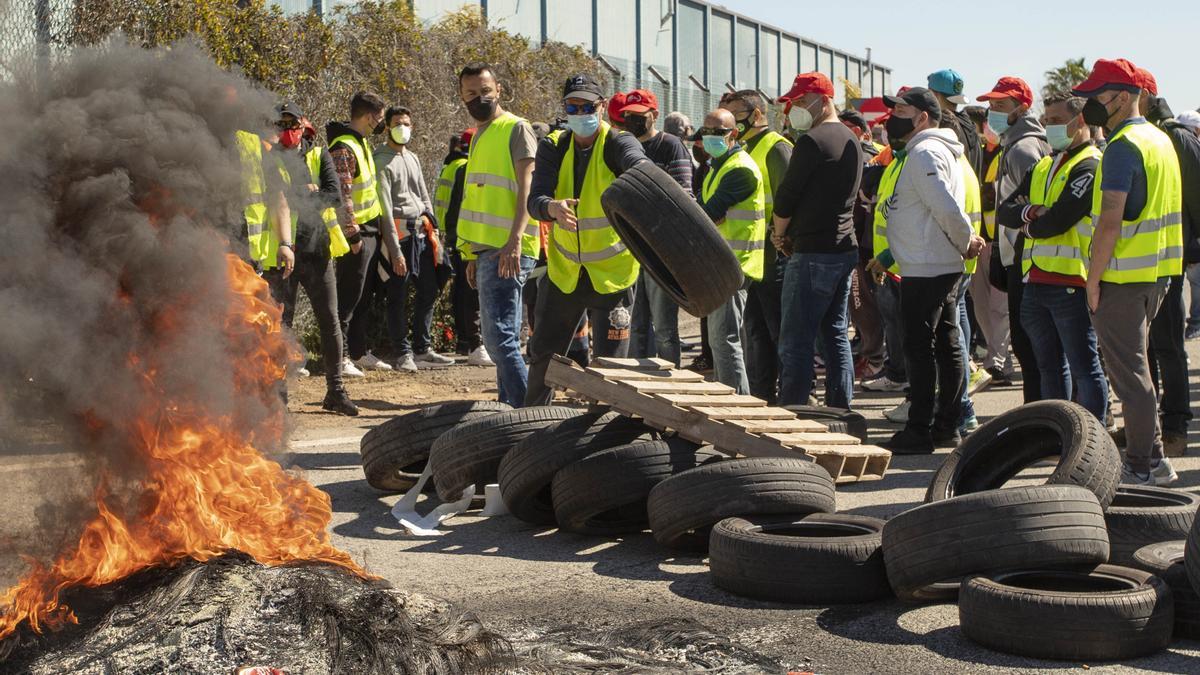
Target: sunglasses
580	109
287	126
713	131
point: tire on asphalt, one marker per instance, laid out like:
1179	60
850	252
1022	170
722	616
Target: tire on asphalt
837	419
527	471
1019	438
470	453
652	214
1165	561
818	559
683	508
1147	515
1103	613
395	452
1044	526
605	493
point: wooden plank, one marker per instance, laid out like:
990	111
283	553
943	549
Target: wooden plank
633	375
724	413
778	426
833	463
636	364
727	400
735	441
564	373
652	387
802	439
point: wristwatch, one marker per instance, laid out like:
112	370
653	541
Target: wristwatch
287	244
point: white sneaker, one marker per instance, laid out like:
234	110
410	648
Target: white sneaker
1163	473
899	414
371	362
407	364
1131	477
978	381
883	383
434	358
479	357
351	370
302	372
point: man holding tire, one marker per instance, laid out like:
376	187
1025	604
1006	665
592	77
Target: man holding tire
589	268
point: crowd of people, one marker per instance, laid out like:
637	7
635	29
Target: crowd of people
947	240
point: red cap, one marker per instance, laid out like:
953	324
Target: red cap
1148	82
1119	72
616	106
639	101
466	137
1009	87
808	83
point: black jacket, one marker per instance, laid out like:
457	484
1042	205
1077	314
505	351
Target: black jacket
1187	147
1073	204
964	128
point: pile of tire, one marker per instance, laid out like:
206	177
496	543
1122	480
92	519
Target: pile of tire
1068	570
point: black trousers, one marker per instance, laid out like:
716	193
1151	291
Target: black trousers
1022	346
933	356
1168	360
762	318
353	299
314	273
557	318
425	277
464	301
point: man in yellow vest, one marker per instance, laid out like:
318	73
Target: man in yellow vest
361	217
316	239
771	153
734	197
588	267
1053	209
1137	245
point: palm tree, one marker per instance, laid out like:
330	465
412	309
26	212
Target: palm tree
1060	80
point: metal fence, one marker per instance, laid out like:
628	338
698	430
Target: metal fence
30	31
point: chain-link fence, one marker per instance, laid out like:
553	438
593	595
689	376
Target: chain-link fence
30	31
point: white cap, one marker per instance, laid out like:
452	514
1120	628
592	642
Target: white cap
1189	118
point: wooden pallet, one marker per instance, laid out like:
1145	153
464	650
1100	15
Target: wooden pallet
711	412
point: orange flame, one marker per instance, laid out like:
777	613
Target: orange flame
207	490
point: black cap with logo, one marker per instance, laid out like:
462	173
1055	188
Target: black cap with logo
919	98
582	86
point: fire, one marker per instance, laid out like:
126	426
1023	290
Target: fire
207	490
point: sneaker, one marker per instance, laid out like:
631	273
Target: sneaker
700	364
1193	333
899	414
978	381
1163	473
302	372
479	357
1174	445
999	379
351	370
1131	477
371	362
970	424
883	383
406	363
908	442
946	439
339	402
434	358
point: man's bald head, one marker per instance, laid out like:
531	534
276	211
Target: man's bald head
720	118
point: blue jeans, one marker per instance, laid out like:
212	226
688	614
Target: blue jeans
887	296
1059	325
964	340
500	323
816	295
725	337
655	328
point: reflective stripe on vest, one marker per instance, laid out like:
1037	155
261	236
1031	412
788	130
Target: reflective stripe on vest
1063	253
972	204
595	246
363	193
769	140
883	204
489	204
1151	245
445	187
250	152
745	225
338	246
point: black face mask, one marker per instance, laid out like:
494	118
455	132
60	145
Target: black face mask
1095	113
482	108
379	128
637	126
898	127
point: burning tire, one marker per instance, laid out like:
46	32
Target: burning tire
527	471
652	215
837	419
683	508
1017	439
1104	613
395	452
605	492
470	453
1165	561
1147	515
816	559
1044	526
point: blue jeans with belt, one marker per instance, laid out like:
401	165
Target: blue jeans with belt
1059	325
500	323
816	296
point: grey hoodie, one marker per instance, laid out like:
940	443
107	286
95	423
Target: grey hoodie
1024	143
928	230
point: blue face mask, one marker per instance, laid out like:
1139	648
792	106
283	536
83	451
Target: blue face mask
715	146
583	125
998	121
1057	136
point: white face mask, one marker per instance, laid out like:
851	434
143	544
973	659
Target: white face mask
401	134
800	117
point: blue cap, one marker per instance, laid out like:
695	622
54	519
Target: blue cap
949	84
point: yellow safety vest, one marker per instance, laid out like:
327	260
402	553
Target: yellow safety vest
769	140
250	149
363	191
887	188
745	224
1063	253
594	245
445	186
973	205
338	246
489	202
989	178
1151	245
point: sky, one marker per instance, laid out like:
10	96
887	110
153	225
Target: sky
1006	38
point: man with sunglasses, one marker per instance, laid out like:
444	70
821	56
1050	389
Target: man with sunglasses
588	266
1136	247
